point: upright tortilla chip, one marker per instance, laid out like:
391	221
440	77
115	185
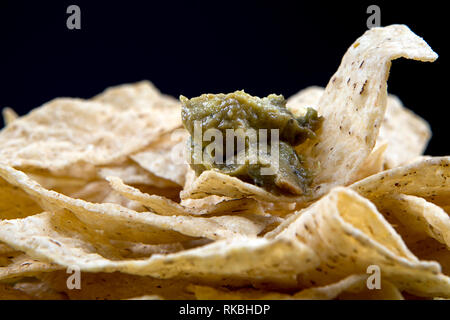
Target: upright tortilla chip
405	133
354	102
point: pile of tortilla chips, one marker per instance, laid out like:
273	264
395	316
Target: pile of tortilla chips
99	188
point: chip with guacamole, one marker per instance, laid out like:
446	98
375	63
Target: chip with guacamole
251	133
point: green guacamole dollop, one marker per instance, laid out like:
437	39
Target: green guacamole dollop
239	110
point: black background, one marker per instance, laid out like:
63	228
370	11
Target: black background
192	47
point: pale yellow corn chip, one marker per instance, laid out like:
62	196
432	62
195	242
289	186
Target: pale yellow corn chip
7	292
62	239
349	235
115	286
406	134
70	132
165	158
164	206
427	178
126	224
39	290
132	173
354	284
15	203
418	216
22	265
306	98
432	250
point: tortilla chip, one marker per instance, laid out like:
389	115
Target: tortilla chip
418	216
374	163
115	286
80	171
306	98
9	115
216	205
95	191
349	234
61	238
68	132
164	206
172	193
388	291
63	184
432	250
165	157
147	297
213	182
5	249
133	250
15	203
140	96
427	178
115	197
352	285
21	265
405	133
354	103
39	290
125	224
7	292
132	173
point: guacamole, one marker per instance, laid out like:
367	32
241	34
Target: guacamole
246	114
